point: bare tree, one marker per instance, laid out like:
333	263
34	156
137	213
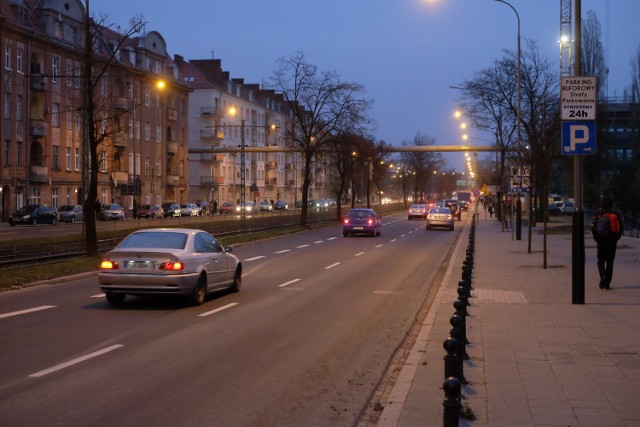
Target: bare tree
635	76
421	163
593	59
322	106
97	112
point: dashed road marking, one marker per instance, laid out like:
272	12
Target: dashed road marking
359	253
219	309
76	361
332	265
290	282
255	258
282	251
27	311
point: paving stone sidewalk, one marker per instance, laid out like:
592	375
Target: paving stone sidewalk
536	358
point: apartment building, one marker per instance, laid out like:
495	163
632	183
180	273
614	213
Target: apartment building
228	113
142	125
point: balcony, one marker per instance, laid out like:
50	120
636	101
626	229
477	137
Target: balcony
209	111
211	180
272	181
214	136
173	180
120	177
38	82
271	164
172	148
37	128
121	103
172	114
120	140
38	174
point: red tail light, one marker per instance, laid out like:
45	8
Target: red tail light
109	265
370	221
346	220
172	266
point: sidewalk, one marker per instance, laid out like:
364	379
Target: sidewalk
536	358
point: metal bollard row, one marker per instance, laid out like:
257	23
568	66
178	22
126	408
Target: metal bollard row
455	345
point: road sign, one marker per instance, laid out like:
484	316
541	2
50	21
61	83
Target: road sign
578	98
578	138
519	178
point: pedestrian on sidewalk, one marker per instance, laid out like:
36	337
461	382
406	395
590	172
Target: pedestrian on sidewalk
606	229
490	210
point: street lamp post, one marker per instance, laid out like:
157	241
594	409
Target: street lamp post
518	202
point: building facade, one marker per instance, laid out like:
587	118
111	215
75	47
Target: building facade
141	127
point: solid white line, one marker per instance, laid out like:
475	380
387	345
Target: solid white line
254	258
282	251
224	307
301	246
332	265
29	310
331	238
359	253
76	361
290	282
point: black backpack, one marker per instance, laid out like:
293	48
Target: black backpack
603	225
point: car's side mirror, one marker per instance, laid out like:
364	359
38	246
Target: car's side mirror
228	249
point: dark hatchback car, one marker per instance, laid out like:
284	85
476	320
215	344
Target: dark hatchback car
70	213
34	215
361	221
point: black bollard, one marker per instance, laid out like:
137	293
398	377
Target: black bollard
462	296
459	306
451	403
450	360
456	334
465	285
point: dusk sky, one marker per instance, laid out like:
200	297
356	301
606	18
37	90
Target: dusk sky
407	53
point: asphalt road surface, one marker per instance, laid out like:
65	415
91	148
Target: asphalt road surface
305	342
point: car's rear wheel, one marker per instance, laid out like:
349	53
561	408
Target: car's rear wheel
73	219
54	221
199	291
237	280
115	299
34	221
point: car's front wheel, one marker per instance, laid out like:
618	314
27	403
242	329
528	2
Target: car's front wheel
237	280
34	221
115	299
73	219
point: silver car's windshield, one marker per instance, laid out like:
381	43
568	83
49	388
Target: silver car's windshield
154	239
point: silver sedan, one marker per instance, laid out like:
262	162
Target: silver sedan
440	217
162	261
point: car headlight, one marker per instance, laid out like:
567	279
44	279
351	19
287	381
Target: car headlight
26	217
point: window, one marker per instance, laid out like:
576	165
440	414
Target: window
147	164
68	158
147	97
7	55
7	105
55	69
158	133
131	172
77	158
158	167
76	83
7	150
35	195
147	131
103	161
137	171
69	118
55	193
19	109
19	62
18	153
55	157
181	168
55	114
78	120
68	196
69	76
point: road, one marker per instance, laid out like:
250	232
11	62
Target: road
305	342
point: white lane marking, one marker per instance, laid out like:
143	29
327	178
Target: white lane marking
359	253
393	240
301	246
224	307
98	295
332	265
255	258
76	361
290	282
378	246
331	238
282	251
29	310
319	241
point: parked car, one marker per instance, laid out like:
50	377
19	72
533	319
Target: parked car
417	211
34	215
265	206
70	213
361	221
162	261
567	208
111	211
171	209
227	208
189	209
248	207
203	208
150	211
554	208
280	206
440	217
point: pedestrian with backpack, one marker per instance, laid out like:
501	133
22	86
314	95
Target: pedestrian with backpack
606	229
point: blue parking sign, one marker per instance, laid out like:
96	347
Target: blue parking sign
578	138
